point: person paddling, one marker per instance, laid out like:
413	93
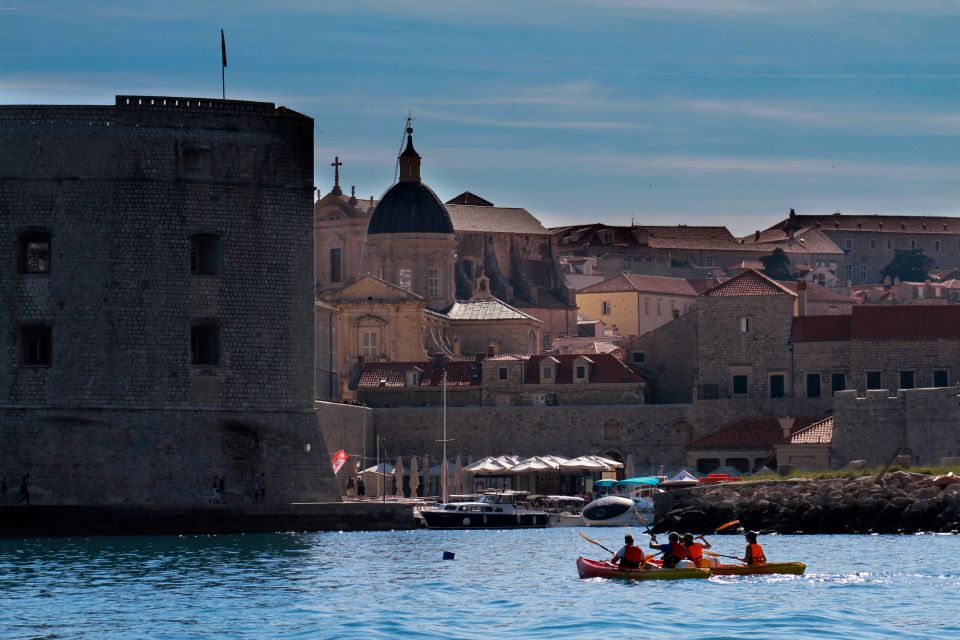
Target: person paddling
694	548
754	554
673	551
629	556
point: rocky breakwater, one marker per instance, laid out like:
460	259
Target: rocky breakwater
900	503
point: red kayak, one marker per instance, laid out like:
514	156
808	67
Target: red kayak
601	569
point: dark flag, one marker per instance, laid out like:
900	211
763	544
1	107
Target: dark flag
223	48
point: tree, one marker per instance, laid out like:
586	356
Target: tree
777	265
911	265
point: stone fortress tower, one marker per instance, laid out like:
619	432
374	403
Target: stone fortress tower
157	284
410	239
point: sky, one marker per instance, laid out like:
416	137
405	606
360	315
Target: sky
700	112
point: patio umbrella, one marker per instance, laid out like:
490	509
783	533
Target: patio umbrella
398	476
426	475
538	463
585	463
628	469
458	476
491	465
414	477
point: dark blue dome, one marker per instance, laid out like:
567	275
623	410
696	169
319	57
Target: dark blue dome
410	207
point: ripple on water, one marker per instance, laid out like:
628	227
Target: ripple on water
517	584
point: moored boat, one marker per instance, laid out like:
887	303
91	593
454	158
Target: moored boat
766	568
600	569
489	511
617	511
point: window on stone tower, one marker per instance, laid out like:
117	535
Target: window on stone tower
205	344
35	252
405	279
37	345
433	283
336	273
205	254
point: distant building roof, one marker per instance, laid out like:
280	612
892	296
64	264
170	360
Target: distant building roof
817	433
489	309
643	284
819	293
471	199
874	223
809	239
494	219
460	373
905	322
758	432
606	368
748	283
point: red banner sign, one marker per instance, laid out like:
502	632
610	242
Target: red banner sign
339	458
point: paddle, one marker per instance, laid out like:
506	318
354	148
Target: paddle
643	521
720	555
726	525
592	541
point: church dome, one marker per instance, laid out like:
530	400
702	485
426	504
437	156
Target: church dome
410	206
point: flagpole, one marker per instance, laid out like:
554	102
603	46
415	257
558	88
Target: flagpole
223	65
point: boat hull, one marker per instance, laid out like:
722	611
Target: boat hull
768	568
613	511
461	520
597	569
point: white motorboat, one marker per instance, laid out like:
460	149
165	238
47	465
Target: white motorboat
617	511
488	511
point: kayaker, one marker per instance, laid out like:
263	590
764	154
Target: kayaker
673	551
754	554
629	556
694	548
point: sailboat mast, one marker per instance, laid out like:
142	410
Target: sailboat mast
444	472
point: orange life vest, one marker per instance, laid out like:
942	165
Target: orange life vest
679	551
755	554
633	556
695	550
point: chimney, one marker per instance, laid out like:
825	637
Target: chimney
786	425
801	298
353	196
491	350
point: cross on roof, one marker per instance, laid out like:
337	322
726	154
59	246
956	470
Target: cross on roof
336	164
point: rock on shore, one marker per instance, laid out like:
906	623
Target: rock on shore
902	503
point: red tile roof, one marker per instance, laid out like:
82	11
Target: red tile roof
606	368
748	283
817	433
820	328
644	284
463	373
751	433
905	322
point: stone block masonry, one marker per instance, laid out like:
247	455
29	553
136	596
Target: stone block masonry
174	299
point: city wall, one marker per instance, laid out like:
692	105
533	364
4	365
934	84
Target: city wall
116	456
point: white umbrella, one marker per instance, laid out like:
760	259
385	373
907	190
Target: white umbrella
584	463
458	475
414	477
398	476
535	464
426	475
628	470
495	466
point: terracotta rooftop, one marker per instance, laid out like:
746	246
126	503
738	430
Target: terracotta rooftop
643	284
817	433
494	219
820	328
748	283
606	368
460	373
751	433
905	322
819	293
809	239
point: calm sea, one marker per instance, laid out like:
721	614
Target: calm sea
515	584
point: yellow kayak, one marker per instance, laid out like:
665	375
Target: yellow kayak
599	569
766	568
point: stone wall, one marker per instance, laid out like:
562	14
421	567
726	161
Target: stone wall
161	456
669	359
923	423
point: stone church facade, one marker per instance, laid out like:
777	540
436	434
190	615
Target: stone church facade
158	277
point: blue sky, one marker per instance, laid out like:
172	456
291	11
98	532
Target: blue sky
660	111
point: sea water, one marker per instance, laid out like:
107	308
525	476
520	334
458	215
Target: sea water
510	584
